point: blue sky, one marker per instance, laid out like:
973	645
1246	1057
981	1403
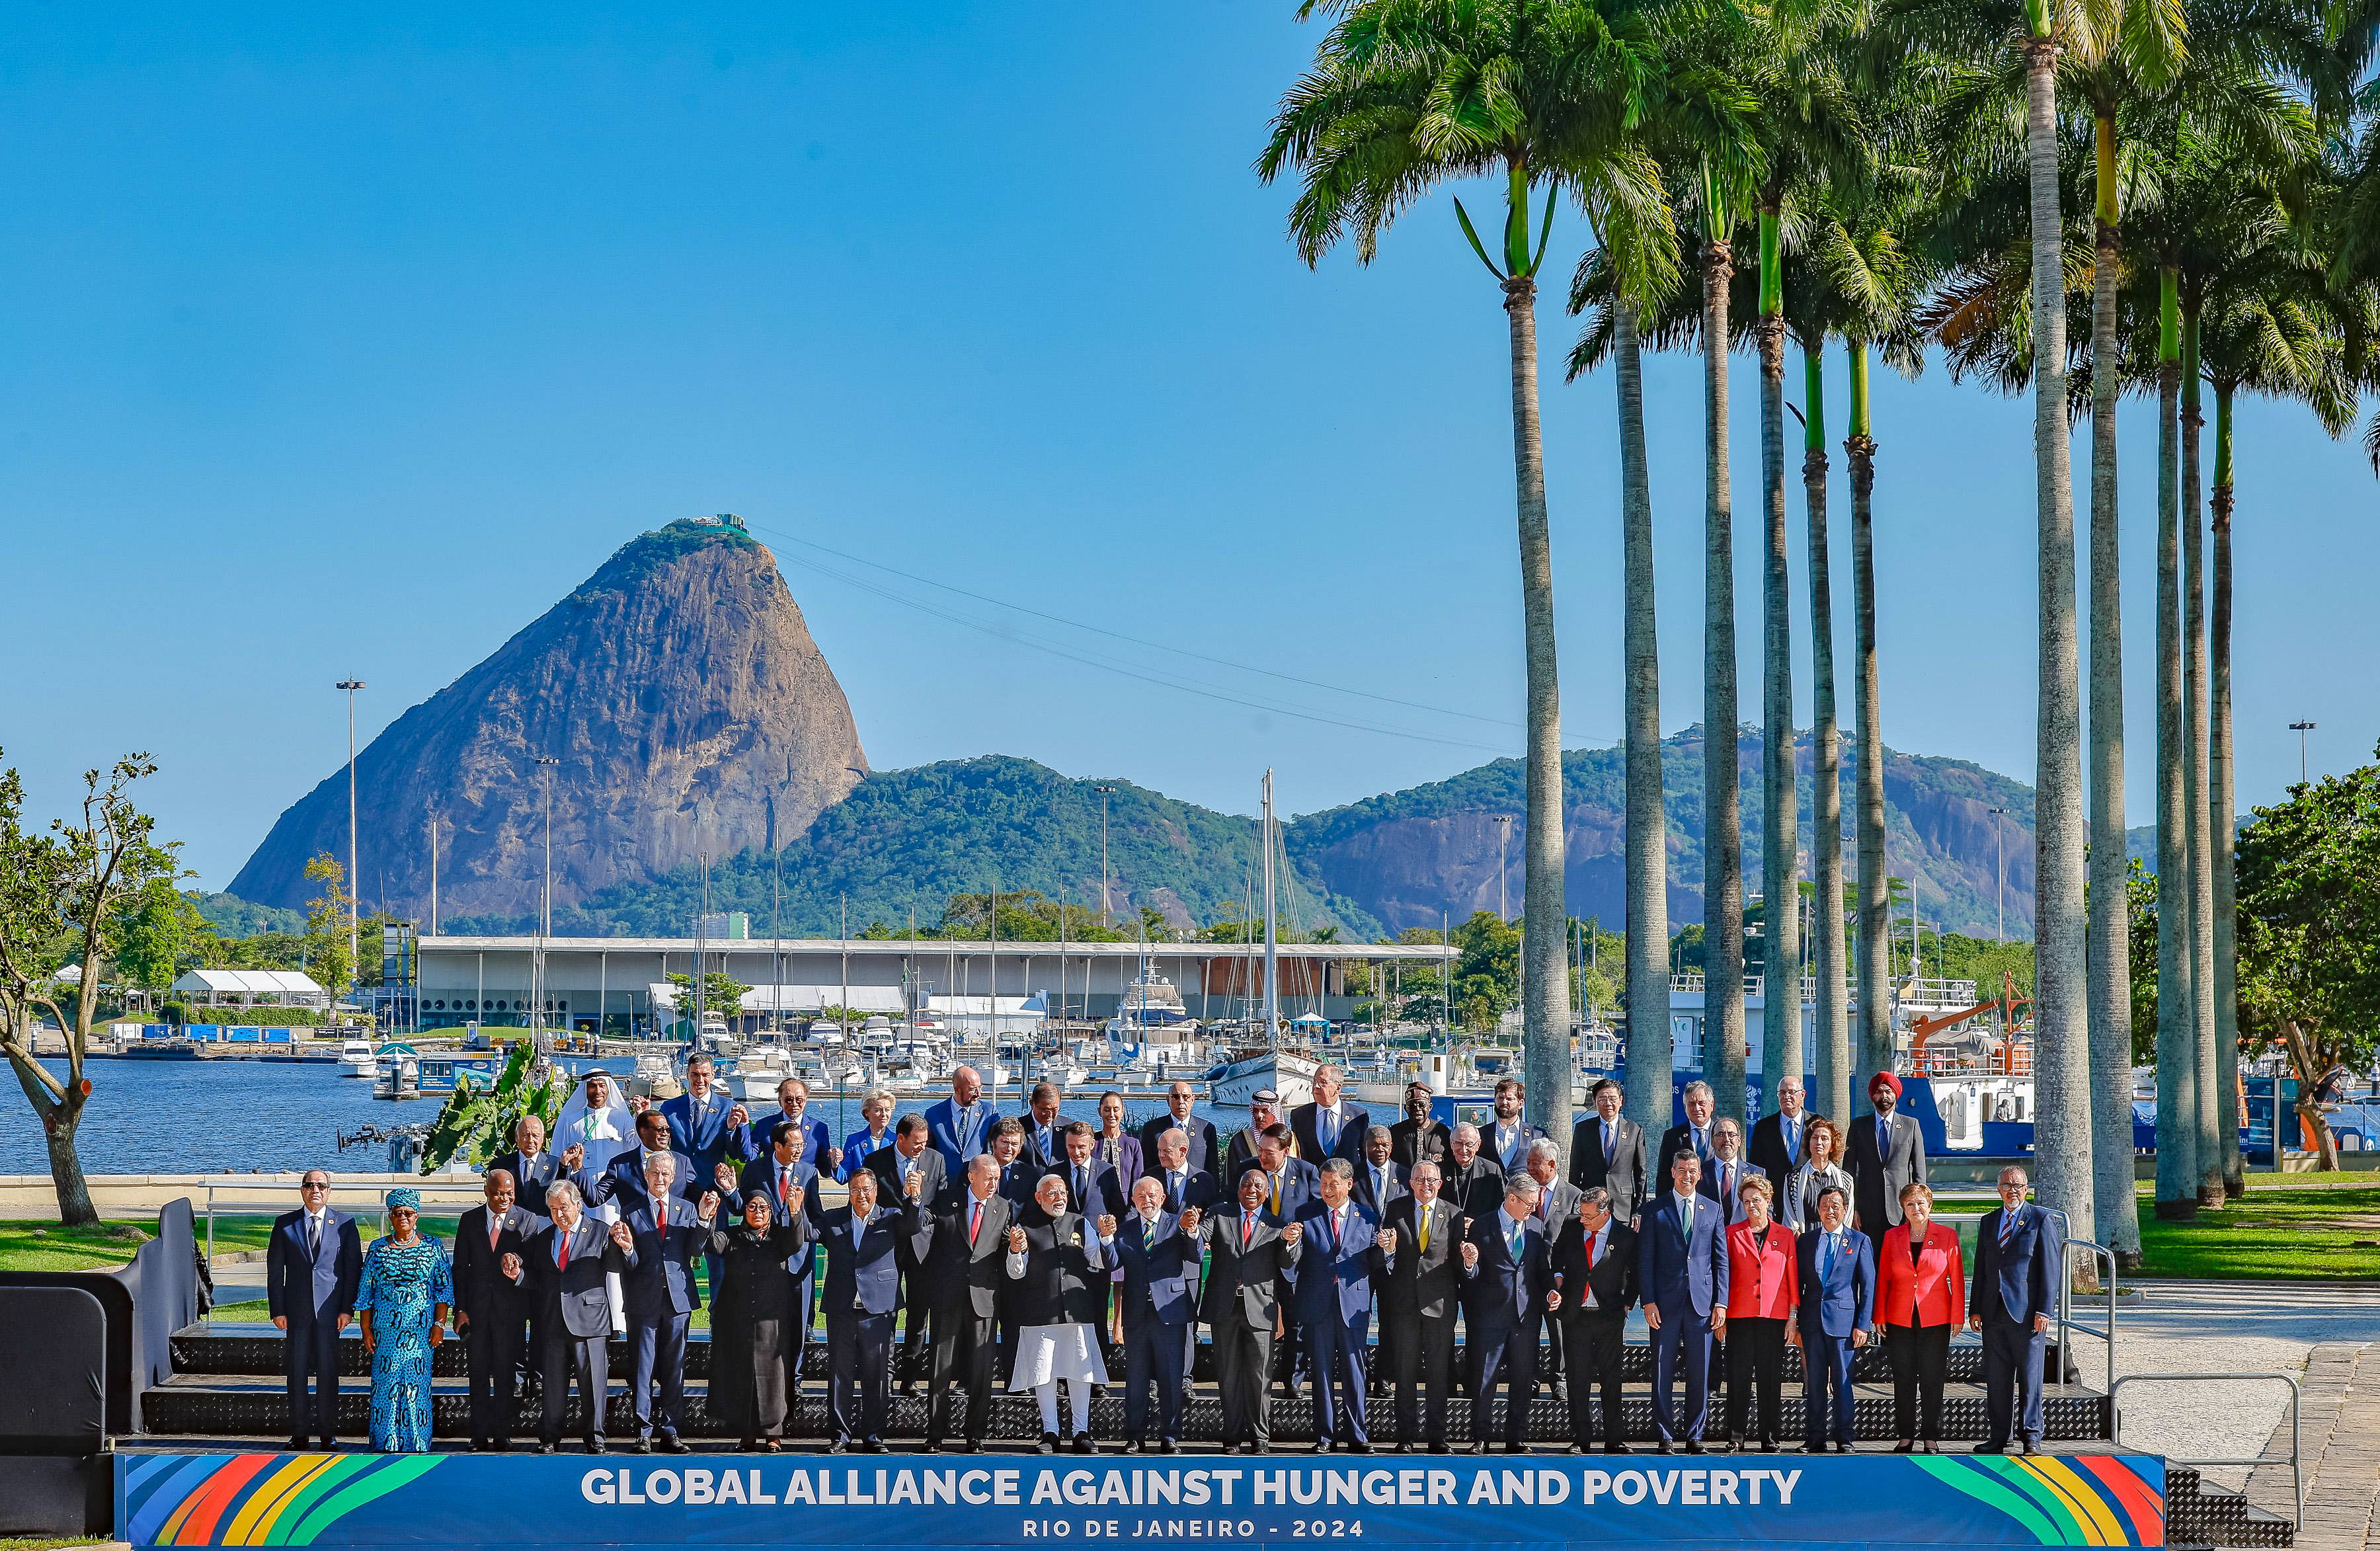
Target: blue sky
341	343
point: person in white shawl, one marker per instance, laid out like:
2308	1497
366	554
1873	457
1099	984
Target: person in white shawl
597	1123
1058	1263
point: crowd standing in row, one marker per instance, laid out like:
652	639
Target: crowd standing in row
1021	1249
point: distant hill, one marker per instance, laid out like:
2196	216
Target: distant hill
1410	858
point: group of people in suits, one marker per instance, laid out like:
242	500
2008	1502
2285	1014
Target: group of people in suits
1023	1246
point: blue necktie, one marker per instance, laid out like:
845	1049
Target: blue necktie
1826	1258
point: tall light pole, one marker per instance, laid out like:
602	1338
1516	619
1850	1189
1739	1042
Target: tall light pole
545	910
355	885
1105	793
1504	841
2302	729
2000	838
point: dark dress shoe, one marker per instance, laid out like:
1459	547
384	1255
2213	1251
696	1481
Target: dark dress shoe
933	1446
1905	1446
840	1446
873	1446
1842	1446
1082	1443
297	1445
597	1446
2028	1446
1171	1446
1578	1447
1768	1445
1049	1443
1359	1447
1661	1446
1617	1449
1479	1447
1930	1447
1516	1448
1132	1446
546	1447
1989	1448
670	1444
1322	1446
1695	1446
642	1446
972	1445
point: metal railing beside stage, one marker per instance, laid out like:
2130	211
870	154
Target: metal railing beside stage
2296	1454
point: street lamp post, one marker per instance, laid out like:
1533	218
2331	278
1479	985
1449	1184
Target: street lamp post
1999	839
2302	729
545	907
355	884
1503	841
1105	793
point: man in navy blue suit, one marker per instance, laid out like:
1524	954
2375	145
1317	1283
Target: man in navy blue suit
2014	1288
1290	1183
702	1121
863	1290
313	1264
960	1126
1681	1276
1837	1270
1201	1150
1183	1184
1157	1302
792	1103
1333	1308
1330	1127
1508	1288
1725	1171
661	1298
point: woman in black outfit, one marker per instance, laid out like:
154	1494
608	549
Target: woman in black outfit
756	1320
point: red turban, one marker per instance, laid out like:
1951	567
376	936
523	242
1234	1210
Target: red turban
1884	1080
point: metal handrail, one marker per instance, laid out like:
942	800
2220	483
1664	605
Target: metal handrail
2297	1469
249	1200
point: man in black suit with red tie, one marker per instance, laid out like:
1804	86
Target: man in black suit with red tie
1595	1269
490	1314
962	1281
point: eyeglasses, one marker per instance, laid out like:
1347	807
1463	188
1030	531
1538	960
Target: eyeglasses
313	1184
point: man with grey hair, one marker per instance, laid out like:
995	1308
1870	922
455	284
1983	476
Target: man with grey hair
1334	1305
1557	1204
1186	1186
1595	1269
1378	1180
566	1267
667	1236
1691	1137
1473	1182
1420	1293
1330	1127
1724	1171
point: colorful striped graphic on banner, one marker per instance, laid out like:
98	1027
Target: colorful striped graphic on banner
2085	1500
255	1500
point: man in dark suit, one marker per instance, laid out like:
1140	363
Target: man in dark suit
1242	1305
702	1121
1157	1302
312	1266
1681	1276
1607	1149
1837	1271
1045	1130
1092	1188
1418	1136
1017	1174
863	1290
960	1282
490	1314
1775	1148
669	1236
1884	1152
1506	1138
757	1139
1724	1171
1420	1292
1331	1126
1557	1204
1333	1308
565	1266
1508	1281
1595	1270
1474	1182
1378	1180
961	1124
1693	1136
1202	1151
623	1180
1264	1113
530	1164
2013	1289
1184	1185
910	1157
1290	1181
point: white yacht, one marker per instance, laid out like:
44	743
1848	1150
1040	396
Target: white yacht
356	1059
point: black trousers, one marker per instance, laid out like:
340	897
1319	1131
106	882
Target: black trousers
1511	1352
494	1349
1596	1342
1243	1370
1756	1365
584	1356
1920	1357
1423	1353
916	1333
859	1349
313	1348
964	1346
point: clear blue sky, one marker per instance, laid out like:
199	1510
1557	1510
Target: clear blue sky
337	344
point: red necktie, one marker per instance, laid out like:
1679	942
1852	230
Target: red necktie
1590	1252
1248	1230
564	1262
782	1193
975	1221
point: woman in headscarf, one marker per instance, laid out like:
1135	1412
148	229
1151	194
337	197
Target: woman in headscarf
597	1123
756	1320
406	1290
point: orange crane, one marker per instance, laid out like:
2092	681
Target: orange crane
2008	1001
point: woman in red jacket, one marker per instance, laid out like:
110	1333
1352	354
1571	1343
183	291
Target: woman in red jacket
1921	1297
1762	1289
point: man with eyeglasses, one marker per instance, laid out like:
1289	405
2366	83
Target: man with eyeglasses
312	1266
2009	1300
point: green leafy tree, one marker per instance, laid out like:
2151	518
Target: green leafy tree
156	935
477	1120
327	959
722	993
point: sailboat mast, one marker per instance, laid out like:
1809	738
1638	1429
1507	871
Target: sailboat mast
1272	955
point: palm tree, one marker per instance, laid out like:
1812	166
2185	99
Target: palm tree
1404	95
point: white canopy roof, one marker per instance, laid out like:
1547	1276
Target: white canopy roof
250	983
797	999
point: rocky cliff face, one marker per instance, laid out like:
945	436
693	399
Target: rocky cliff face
681	692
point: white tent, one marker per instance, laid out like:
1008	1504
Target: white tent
794	999
973	1014
253	988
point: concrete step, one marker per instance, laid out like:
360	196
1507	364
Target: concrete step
2199	1514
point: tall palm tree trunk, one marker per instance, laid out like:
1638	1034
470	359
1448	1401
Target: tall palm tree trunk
1544	920
1723	1053
1649	1052
1781	1053
1831	1024
2061	1051
2112	1196
2223	824
2194	768
2176	1121
1867	787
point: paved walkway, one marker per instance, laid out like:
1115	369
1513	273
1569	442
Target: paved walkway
2339	1439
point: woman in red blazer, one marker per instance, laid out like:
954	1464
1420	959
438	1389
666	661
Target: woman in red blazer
1921	1297
1763	1288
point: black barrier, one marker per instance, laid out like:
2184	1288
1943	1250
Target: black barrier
144	1302
53	1371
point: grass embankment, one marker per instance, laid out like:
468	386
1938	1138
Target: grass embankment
45	1246
2276	1232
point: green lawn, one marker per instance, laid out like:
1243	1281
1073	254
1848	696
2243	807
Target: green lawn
2278	1231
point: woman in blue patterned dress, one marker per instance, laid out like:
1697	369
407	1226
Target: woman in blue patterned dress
408	1287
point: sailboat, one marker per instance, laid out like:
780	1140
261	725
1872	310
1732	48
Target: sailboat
1254	1067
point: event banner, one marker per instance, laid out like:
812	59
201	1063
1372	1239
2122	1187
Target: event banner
537	1502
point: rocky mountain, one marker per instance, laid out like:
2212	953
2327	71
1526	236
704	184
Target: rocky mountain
687	707
907	839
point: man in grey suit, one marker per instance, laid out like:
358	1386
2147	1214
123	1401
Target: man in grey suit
313	1264
1606	1149
1242	1305
1886	1152
566	1264
1557	1204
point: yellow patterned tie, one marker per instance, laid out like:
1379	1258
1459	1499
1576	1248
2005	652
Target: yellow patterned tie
1424	1235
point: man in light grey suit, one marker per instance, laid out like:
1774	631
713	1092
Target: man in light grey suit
1887	1151
1607	1149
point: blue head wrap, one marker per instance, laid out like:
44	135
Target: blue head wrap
404	1198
